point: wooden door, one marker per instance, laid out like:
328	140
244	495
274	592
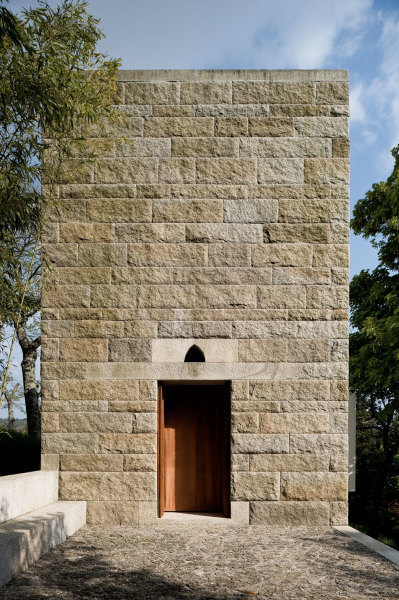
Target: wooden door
194	449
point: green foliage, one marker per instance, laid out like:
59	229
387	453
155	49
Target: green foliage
52	81
21	451
374	359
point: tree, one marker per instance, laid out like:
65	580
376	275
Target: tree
53	83
374	353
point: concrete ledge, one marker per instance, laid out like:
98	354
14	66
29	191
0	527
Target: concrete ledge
234	75
24	492
382	549
24	539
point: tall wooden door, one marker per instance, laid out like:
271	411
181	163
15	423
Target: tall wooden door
194	448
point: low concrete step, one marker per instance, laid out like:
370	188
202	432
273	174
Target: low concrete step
24	539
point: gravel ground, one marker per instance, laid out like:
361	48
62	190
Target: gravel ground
186	562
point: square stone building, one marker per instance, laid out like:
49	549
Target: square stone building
195	338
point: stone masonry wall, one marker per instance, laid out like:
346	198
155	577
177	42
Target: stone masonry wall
216	213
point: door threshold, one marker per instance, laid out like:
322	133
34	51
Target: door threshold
194	516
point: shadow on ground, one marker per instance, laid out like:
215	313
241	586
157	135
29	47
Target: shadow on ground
92	577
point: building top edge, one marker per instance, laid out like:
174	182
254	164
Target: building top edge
286	75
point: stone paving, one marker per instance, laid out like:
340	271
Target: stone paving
192	562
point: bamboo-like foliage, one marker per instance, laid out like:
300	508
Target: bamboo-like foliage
53	83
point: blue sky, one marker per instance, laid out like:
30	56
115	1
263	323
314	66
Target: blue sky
359	35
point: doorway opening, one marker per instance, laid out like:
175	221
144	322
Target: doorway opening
194	448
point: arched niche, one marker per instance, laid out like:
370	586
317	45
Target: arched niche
194	354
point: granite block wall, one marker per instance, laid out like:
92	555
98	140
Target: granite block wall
216	212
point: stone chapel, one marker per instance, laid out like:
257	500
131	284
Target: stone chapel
195	335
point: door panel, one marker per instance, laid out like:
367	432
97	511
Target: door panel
194	460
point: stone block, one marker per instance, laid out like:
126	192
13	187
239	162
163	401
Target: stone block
188	211
168	296
286	147
299	110
270	127
294	423
308	350
331	255
259	443
194	329
314	486
311	443
339	423
129	350
91	462
205	147
178	127
224	296
126	443
150	233
107	486
313	211
250	211
338	513
119	210
285	255
321	126
240	462
101	329
289	390
106	296
203	92
232	110
263	329
288	462
332	92
66	296
208	191
61	255
271	350
303	233
257	405
339	463
281	296
98	255
140	462
222	275
166	254
83	275
224	232
142	275
260	92
160	92
140	329
69	443
301	276
239	390
311	514
229	255
57	370
326	170
142	147
327	296
339	350
285	171
165	110
226	170
255	486
112	513
49	422
89	422
231	126
132	406
83	350
319	329
49	349
176	170
126	170
340	148
144	423
244	422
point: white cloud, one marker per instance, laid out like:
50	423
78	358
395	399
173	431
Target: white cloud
357	108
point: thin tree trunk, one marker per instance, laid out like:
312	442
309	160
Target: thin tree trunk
29	353
10	406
